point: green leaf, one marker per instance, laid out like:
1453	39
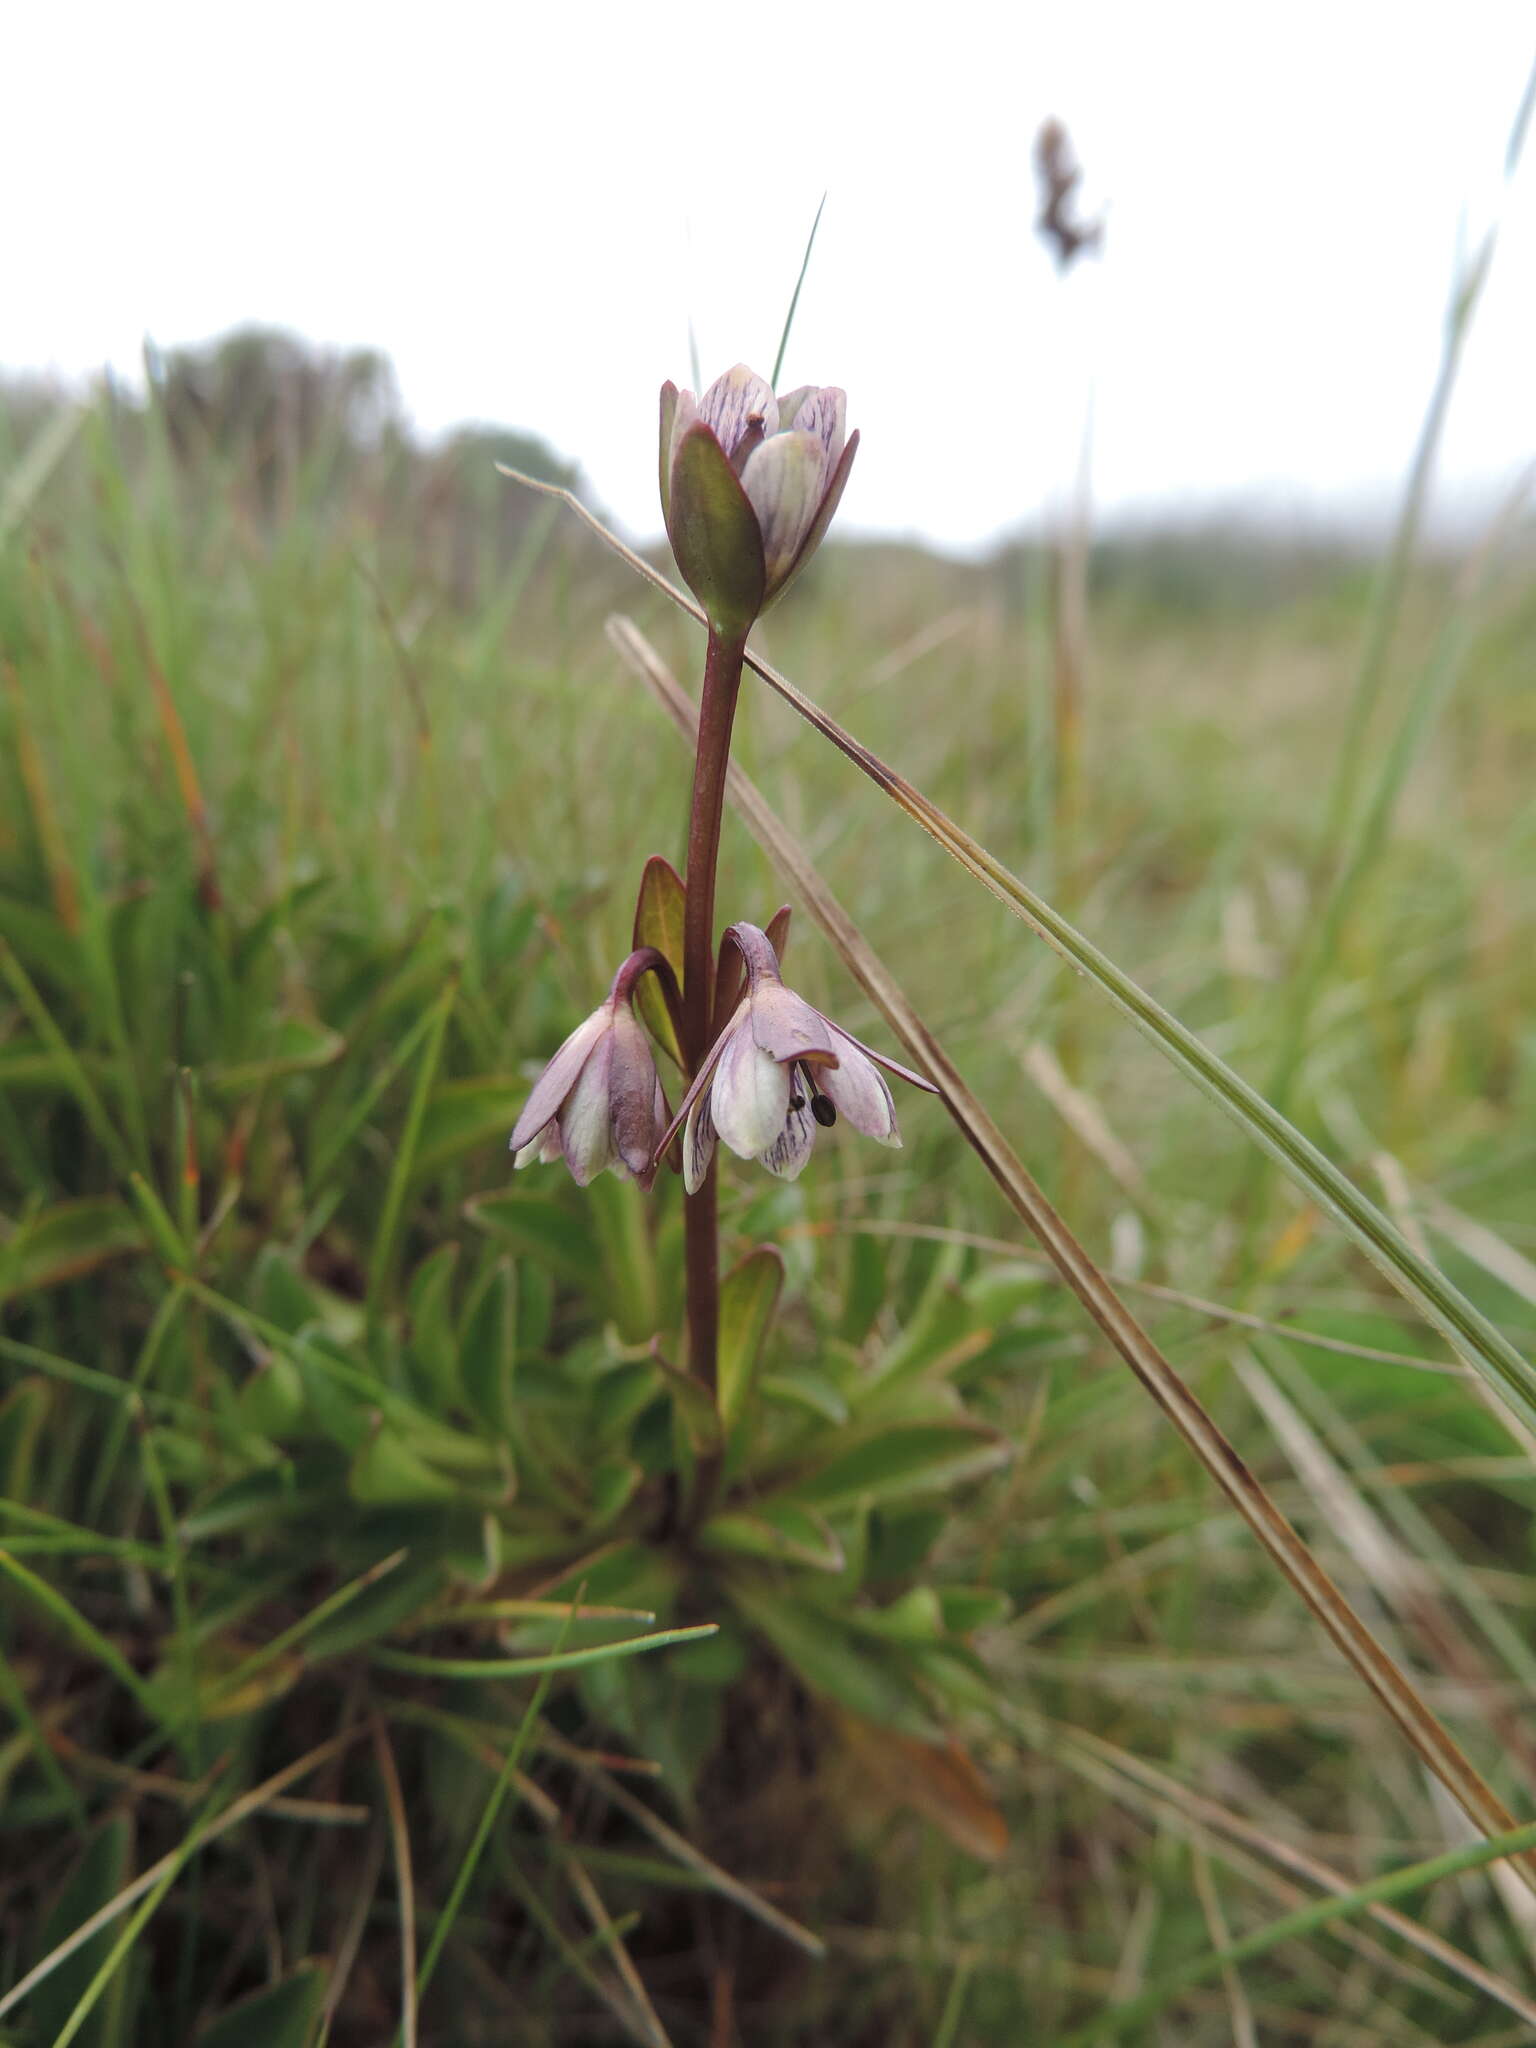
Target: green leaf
281	1293
466	1116
916	1617
22	1415
259	1499
42	942
99	1875
659	923
715	535
271	1402
971	1607
614	1485
869	1677
68	1240
488	1347
388	1472
281	2016
434	1344
801	1386
903	1463
296	1045
378	1610
749	1294
781	1530
696	1410
539	1228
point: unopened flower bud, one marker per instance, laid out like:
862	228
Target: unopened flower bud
749	484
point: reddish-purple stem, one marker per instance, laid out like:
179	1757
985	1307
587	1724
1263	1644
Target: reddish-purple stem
717	709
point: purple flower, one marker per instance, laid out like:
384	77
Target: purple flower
599	1103
777	1072
749	484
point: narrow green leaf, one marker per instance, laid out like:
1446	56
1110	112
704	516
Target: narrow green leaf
98	1876
402	1166
434	1342
296	1045
68	1240
780	1530
488	1348
1306	1920
22	1415
869	1678
749	1294
537	1226
68	1622
801	1386
527	1667
468	1116
280	2016
659	923
904	1463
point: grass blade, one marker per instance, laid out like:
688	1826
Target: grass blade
405	1156
1311	1919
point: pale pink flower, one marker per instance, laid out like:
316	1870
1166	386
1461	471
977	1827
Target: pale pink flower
599	1103
777	1072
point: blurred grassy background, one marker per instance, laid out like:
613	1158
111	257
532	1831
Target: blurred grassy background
300	724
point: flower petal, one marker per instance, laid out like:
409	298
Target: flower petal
858	1091
632	1089
787	1155
787	1028
586	1124
698	1144
784	479
790	402
684	411
558	1078
543	1145
824	413
663	1115
700	1081
750	1096
732	400
829	503
891	1066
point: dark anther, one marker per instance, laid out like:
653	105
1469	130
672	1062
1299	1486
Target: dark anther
824	1111
797	1100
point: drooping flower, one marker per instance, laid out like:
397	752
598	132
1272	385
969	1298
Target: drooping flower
599	1103
777	1072
749	484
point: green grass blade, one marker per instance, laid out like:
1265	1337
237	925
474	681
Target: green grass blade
1306	1920
405	1155
529	1667
794	302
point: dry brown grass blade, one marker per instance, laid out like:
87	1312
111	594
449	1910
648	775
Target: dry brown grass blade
1392	1687
405	1887
242	1809
63	884
1116	1767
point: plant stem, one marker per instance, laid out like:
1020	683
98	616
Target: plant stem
717	709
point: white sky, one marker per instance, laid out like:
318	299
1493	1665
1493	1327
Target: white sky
524	204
